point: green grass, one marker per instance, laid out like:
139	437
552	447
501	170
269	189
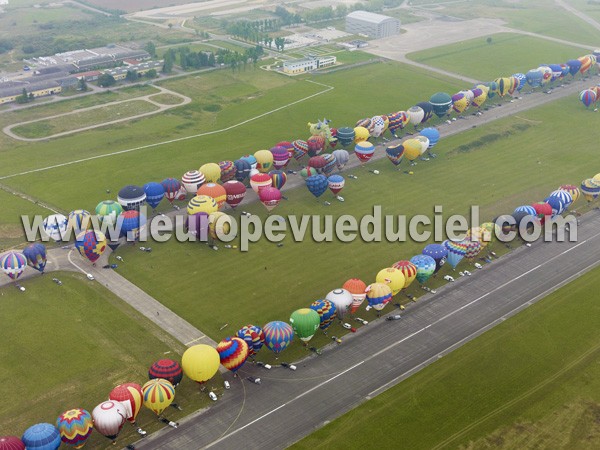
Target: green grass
73	121
68	346
508	53
531	382
166	99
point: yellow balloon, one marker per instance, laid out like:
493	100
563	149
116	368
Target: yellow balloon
202	203
394	278
158	394
200	362
218	223
264	160
212	172
596	177
412	149
361	134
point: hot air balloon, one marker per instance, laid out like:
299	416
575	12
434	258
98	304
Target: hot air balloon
131	397
280	157
264	160
11	443
408	269
278	336
269	197
336	183
211	172
167	369
79	220
250	159
317	184
438	252
590	189
130	224
364	151
522	78
233	353
345	136
504	85
586	63
200	362
36	256
155	192
342	300
317	162
587	97
75	427
456	252
330	162
542	210
316	144
412	149
202	203
479	97
366	123
556	204
42	436
158	395
326	311
254	337
425	267
242	170
378	295
378	124
108	211
228	170
235	191
395	153
91	244
460	102
109	418
341	158
305	322
564	197
308	172
55	226
289	148
393	277
571	189
472	248
172	186
358	289
361	134
441	103
192	180
415	115
424	143
534	78
530	210
197	226
215	191
432	134
300	149
131	197
259	181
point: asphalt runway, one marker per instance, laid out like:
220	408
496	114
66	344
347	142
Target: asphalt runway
290	405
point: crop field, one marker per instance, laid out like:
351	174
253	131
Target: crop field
508	53
68	346
76	120
531	382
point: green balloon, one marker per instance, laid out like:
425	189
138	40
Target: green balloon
305	323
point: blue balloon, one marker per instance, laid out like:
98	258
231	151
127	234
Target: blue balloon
557	206
42	436
456	252
317	184
130	223
527	209
36	256
438	252
522	80
154	193
432	134
574	66
243	168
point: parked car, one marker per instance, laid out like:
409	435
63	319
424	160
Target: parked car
394	317
226	384
363	321
467	273
57	281
254	380
212	396
478	266
262	364
90	276
347	326
448	278
288	366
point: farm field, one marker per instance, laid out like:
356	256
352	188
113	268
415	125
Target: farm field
530	382
508	53
68	346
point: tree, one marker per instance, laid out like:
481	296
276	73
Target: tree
279	43
151	73
151	48
169	59
23	98
211	60
106	80
131	76
489	40
170	26
82	84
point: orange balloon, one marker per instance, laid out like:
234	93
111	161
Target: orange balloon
215	191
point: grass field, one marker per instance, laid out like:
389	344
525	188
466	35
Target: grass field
68	346
74	121
13	207
166	99
507	54
531	382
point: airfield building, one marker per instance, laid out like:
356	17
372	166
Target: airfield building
308	64
376	26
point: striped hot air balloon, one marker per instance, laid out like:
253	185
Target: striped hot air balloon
158	395
75	427
233	353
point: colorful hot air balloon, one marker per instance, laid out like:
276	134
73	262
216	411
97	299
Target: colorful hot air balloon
412	149
438	252
242	170
155	192
364	151
316	144
590	189
300	149
542	210
317	162
11	443
345	136
425	267
587	97
278	336
393	277
288	147
432	134
415	115
55	226
308	172
109	418
534	78
108	211
479	97
529	210
424	143
395	153
202	203
460	102
131	197
259	181
305	322
408	269
571	189
167	369
228	170
341	158
378	295
200	362
172	186
358	289
269	197
36	256
42	436
235	192
250	159
336	183
219	225
342	300
326	311
472	248
441	103
211	171
158	395
215	191
278	178
522	79
192	180
91	244
361	134
330	162
280	157
233	353
317	184
75	427
131	397
79	220
130	224
264	160
564	197
254	337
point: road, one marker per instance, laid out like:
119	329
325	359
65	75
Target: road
289	405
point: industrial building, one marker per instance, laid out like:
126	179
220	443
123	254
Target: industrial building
364	23
297	66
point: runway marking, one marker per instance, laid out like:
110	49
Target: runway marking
75	265
284	404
